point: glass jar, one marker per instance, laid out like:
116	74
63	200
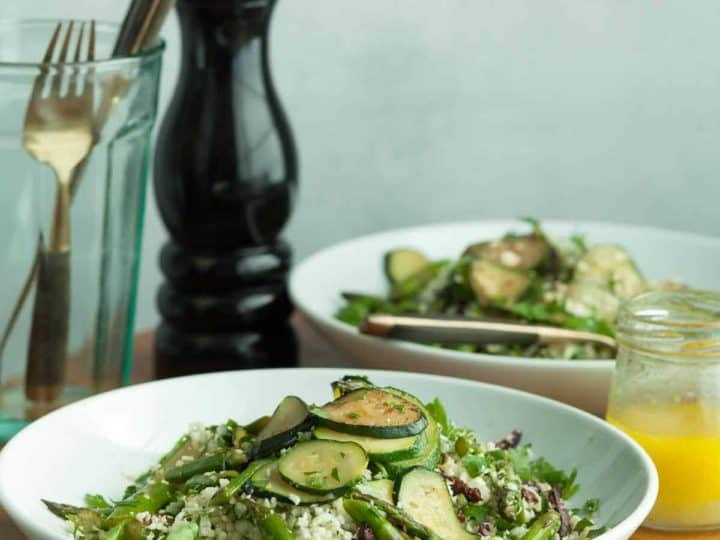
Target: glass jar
666	395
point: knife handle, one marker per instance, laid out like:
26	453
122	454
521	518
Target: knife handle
444	329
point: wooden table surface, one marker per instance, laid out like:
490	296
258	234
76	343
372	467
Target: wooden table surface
314	351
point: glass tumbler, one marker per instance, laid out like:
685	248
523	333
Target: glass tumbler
86	345
666	395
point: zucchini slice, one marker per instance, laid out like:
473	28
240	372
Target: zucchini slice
491	282
323	466
380	489
516	252
430	457
403	263
257	425
587	299
413	285
267	481
424	496
289	419
611	268
372	412
350	383
382	450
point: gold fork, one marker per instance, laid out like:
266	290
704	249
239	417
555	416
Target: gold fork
59	132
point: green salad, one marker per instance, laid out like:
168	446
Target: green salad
528	277
374	463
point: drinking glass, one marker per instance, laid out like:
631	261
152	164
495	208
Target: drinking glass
106	218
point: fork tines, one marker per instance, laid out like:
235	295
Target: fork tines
62	58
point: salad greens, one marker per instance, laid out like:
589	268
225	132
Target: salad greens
527	277
374	463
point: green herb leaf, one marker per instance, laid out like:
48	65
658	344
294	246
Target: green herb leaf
476	464
578	240
541	470
437	411
316	482
591	506
335	474
478	512
96	501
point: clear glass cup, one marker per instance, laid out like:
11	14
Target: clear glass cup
106	221
666	395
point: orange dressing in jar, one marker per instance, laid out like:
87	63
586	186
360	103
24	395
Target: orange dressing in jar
666	396
683	441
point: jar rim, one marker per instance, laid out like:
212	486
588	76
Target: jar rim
653	308
683	323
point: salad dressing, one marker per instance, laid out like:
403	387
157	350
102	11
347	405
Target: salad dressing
665	395
683	440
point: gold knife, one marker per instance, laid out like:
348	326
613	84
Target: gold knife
456	330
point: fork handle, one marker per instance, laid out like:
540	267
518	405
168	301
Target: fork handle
60	228
49	331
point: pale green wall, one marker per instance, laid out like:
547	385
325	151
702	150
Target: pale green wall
411	111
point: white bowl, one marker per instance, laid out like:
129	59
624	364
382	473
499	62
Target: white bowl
99	444
356	265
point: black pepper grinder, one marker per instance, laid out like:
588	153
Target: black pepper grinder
225	180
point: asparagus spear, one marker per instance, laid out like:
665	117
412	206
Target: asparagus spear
178	450
218	462
236	484
271	524
129	529
398	518
200	481
183	447
85	519
186	531
151	499
365	512
544	527
117	532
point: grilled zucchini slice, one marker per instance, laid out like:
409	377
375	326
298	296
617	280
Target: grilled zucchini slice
517	252
424	496
492	283
380	489
382	450
290	418
587	299
323	466
430	457
400	264
350	383
610	267
267	481
372	412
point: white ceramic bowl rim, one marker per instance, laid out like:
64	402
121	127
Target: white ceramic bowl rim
23	516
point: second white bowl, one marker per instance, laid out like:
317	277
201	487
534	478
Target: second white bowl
356	265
